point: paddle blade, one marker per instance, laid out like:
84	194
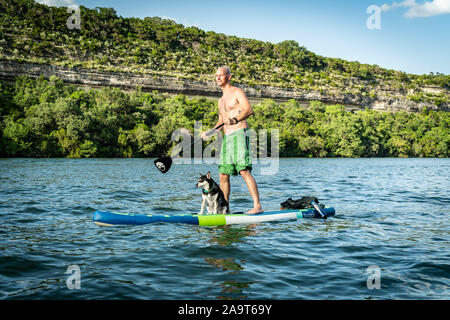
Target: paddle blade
163	164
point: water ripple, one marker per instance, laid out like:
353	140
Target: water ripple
391	213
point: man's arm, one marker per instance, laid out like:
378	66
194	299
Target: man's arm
246	109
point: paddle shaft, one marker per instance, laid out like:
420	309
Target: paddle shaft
207	133
319	210
163	164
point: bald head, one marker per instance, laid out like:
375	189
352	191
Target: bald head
223	76
225	70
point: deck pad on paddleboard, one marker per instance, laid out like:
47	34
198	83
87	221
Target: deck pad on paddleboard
107	218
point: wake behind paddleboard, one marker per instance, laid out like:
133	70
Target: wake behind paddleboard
107	218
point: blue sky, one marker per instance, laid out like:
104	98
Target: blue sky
414	35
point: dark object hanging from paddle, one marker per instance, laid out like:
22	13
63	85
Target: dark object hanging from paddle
164	163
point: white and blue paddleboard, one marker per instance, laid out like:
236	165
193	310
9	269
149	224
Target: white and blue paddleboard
107	218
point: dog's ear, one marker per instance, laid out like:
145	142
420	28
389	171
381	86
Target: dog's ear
208	175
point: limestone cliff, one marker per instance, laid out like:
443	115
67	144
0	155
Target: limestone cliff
384	97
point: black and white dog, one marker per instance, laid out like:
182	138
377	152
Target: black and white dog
212	196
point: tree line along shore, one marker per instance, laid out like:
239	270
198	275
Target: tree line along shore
47	118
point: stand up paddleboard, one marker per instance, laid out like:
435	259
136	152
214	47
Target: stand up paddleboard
106	218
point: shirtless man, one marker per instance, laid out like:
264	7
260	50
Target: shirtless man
234	109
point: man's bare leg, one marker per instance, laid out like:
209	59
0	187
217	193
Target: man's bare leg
253	188
225	186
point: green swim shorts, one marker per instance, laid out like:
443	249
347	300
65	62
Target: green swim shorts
235	153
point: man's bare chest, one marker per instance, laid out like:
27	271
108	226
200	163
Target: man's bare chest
229	104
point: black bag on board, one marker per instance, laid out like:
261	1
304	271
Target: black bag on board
302	203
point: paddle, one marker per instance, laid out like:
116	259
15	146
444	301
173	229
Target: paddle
319	210
163	164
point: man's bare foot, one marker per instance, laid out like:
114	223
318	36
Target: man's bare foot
255	211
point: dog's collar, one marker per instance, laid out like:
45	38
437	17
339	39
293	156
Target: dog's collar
209	191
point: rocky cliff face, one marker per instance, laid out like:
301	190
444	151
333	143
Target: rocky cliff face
384	98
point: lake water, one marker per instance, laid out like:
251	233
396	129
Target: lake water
391	231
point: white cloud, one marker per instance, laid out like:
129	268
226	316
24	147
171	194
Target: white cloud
421	10
429	9
405	3
57	3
